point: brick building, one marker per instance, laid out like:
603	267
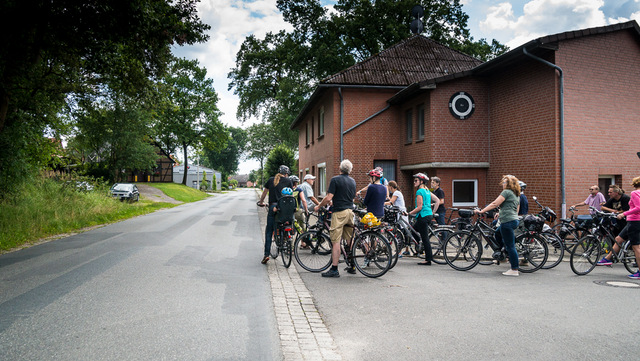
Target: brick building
559	112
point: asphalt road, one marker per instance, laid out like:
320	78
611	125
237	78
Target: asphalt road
179	284
436	313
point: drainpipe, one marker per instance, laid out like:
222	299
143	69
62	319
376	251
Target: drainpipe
341	124
562	176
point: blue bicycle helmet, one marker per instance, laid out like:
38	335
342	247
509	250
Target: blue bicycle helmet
286	191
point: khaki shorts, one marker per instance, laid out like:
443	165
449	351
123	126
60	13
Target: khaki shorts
341	225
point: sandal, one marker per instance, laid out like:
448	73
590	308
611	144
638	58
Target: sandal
265	260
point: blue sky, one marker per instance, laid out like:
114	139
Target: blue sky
512	22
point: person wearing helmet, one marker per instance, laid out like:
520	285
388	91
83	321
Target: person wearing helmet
273	187
301	204
424	213
376	194
524	202
383	181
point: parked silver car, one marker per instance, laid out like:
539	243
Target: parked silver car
125	191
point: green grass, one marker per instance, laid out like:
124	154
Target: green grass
45	208
180	192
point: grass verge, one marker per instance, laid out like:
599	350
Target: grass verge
44	208
180	192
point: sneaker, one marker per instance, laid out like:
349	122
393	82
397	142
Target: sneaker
405	253
511	273
604	262
635	276
265	259
331	273
400	255
351	270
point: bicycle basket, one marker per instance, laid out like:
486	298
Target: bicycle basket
370	220
533	223
465	213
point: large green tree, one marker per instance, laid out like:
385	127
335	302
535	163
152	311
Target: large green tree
50	49
189	116
274	76
227	159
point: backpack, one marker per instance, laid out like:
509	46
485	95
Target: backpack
286	208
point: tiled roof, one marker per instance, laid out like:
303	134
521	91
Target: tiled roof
412	60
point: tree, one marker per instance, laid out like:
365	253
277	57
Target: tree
274	76
51	49
280	155
227	159
189	116
113	130
261	139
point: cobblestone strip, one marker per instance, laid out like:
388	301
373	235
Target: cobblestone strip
303	334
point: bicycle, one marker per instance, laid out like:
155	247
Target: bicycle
368	250
571	229
463	248
554	243
284	230
589	249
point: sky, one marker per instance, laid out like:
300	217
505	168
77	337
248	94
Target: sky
512	22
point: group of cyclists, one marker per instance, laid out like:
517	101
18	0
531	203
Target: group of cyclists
341	193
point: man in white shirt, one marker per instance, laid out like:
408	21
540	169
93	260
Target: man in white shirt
307	189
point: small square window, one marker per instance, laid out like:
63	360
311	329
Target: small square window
464	192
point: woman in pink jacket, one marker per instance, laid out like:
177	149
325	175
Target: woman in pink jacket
632	230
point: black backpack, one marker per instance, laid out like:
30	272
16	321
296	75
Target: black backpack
286	208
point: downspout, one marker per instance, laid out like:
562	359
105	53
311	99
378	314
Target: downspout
562	175
341	124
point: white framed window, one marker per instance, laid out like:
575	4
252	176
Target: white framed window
322	179
464	192
321	122
307	133
388	168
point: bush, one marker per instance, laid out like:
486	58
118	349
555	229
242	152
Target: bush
280	155
225	186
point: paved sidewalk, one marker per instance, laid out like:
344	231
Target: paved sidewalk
303	334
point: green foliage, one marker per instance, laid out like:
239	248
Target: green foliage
233	183
225	186
51	49
274	76
280	155
180	192
189	116
45	207
214	183
227	159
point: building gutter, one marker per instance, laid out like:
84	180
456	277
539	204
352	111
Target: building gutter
561	90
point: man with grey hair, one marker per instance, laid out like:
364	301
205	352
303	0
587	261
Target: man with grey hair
342	190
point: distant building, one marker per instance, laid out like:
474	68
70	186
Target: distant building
195	175
243	180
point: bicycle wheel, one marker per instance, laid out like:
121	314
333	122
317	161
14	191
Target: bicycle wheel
371	254
532	252
462	250
395	247
437	238
286	250
487	256
567	234
585	255
556	250
316	256
275	244
629	260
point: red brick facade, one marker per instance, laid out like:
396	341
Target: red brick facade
515	127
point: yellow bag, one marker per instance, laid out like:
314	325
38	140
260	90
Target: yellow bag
370	220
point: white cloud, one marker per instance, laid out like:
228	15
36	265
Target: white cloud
541	17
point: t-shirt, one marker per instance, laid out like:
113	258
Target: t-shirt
440	194
296	195
307	190
343	189
275	191
509	208
399	202
620	205
524	205
426	202
594	201
374	200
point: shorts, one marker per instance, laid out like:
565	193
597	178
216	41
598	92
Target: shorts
341	226
631	232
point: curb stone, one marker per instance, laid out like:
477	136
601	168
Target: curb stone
303	334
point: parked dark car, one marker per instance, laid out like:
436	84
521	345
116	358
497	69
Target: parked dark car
125	191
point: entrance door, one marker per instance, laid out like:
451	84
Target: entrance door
604	182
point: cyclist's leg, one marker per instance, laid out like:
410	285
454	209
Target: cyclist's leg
268	232
337	230
508	238
422	224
